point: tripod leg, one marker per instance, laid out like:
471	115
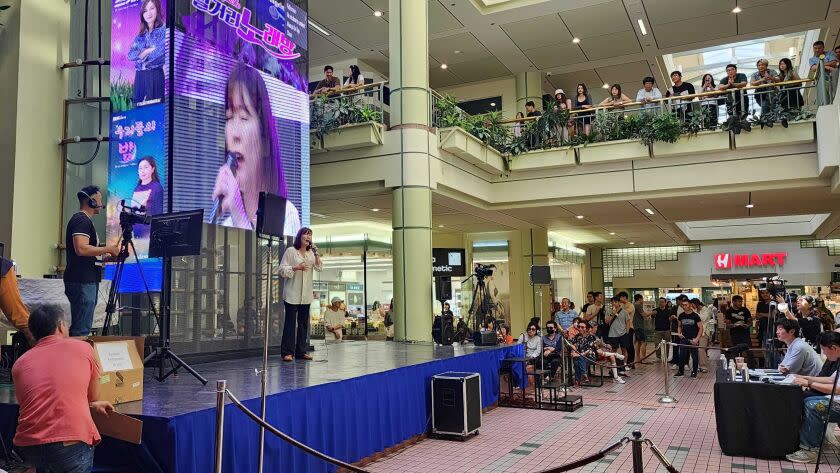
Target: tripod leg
182	364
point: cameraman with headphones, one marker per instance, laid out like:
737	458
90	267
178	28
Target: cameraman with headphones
81	275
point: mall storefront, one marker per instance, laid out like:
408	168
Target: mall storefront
715	270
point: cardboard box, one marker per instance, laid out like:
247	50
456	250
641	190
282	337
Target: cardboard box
121	364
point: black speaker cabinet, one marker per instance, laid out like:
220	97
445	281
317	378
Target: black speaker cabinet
443	288
456	404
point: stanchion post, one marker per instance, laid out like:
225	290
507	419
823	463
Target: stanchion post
666	396
638	464
221	389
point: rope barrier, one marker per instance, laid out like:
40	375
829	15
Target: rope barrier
290	440
587	459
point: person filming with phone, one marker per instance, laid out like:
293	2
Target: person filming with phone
296	267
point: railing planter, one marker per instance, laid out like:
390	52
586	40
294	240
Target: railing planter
796	133
457	141
543	159
356	135
703	142
610	151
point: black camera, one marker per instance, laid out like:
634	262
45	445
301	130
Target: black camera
133	215
775	286
484	270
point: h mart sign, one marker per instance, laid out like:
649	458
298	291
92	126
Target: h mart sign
732	260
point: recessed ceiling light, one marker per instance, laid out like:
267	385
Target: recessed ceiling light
749	206
632	242
457	51
642	27
606	86
440	226
612	233
492	104
318	28
737	10
649	211
576	40
377	13
443	66
374	210
579	217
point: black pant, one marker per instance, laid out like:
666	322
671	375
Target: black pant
685	352
295	330
627	343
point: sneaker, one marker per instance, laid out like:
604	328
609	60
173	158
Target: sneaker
673	367
618	380
679	374
830	437
704	370
619	356
694	375
803	455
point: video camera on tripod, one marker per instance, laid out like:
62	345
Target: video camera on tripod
484	270
133	215
774	285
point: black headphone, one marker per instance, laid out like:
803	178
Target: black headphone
90	202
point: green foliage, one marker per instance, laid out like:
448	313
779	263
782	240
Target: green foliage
121	95
698	120
736	124
547	130
664	127
329	113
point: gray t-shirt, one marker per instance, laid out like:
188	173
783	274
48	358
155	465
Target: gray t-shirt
618	327
802	359
639	317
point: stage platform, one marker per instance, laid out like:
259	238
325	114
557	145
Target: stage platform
354	400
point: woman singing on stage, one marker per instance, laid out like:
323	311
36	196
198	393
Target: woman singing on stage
296	267
253	151
148	52
148	192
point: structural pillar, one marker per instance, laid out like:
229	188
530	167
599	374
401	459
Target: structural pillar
412	198
528	87
533	252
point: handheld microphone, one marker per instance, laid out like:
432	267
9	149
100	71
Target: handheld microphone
217	203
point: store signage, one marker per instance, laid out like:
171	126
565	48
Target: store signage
734	260
448	262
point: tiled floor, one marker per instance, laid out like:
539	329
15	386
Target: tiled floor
523	440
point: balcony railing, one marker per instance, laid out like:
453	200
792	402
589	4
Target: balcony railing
355	105
659	120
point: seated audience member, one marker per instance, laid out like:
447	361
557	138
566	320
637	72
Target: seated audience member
648	93
815	408
800	358
552	343
584	343
334	320
605	353
504	336
533	342
56	384
616	98
574	330
11	303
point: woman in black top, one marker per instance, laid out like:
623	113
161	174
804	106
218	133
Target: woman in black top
583	101
809	319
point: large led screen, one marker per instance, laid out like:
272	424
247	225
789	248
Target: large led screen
241	122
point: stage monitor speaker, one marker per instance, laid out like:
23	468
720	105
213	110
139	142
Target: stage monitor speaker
443	288
456	404
540	275
484	339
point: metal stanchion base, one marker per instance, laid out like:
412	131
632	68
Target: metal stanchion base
667	400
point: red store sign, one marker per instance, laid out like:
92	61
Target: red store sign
732	260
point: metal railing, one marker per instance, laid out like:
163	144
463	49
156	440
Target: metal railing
358	104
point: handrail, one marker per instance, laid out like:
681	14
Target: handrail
349	89
681	98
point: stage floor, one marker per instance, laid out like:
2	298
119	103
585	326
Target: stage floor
353	400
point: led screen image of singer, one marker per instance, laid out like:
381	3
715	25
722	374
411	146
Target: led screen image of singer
148	52
253	156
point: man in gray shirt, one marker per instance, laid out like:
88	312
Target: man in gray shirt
618	321
800	358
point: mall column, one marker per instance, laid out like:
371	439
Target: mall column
412	198
528	87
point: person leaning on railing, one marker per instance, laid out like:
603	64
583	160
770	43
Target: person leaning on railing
648	93
792	96
678	89
732	81
763	76
616	98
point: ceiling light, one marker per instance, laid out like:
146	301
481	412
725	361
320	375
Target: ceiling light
492	104
457	51
374	210
642	27
443	66
319	28
377	13
579	217
606	86
612	233
440	226
736	10
650	212
576	40
632	242
749	206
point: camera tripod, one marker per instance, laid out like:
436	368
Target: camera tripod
126	243
481	305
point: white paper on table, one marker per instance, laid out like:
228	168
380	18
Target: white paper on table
113	356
